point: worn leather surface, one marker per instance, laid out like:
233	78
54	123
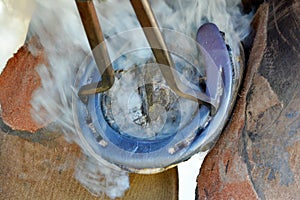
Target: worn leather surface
257	156
272	129
41	166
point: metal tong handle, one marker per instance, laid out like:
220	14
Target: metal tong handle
159	49
95	37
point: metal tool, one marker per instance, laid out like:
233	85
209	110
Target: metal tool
95	37
156	41
159	49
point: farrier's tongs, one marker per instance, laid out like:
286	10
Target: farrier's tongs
155	39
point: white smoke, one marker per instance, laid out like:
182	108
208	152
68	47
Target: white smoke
14	25
57	25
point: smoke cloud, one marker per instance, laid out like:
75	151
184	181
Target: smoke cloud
14	25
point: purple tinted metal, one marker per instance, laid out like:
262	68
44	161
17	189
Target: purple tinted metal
210	38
